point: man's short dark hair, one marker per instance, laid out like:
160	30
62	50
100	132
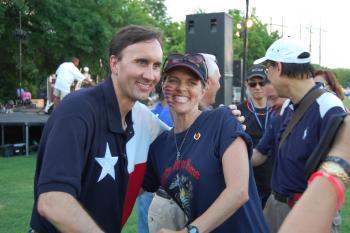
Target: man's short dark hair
132	34
294	70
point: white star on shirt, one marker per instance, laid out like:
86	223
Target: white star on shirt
107	163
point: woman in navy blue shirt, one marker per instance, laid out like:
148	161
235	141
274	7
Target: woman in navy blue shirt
203	161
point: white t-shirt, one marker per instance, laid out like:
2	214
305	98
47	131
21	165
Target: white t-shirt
66	73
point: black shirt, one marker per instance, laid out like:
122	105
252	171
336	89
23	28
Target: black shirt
263	172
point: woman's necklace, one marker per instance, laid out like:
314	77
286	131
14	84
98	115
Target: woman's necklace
178	158
178	149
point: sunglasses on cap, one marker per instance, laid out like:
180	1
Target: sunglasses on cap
254	83
193	61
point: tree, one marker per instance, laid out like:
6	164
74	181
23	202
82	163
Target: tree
174	33
343	76
56	31
259	39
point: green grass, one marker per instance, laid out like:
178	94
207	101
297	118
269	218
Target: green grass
16	193
16	197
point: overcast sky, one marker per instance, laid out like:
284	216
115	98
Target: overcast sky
297	16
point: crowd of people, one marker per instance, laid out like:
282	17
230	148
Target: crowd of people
101	147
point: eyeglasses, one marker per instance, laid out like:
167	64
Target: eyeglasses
267	67
193	58
254	83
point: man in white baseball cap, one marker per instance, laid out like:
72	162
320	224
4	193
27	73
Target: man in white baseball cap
290	72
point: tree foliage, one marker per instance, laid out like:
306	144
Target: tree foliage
57	30
343	76
259	39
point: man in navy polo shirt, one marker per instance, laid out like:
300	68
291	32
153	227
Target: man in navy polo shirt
268	144
93	151
290	72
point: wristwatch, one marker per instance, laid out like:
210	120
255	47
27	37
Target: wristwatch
192	229
336	170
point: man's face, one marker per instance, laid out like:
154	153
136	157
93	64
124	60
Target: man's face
278	82
137	71
274	101
255	87
213	87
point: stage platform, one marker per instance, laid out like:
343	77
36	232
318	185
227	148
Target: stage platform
25	118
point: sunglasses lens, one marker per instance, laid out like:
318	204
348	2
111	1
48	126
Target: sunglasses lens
262	84
254	84
174	58
195	58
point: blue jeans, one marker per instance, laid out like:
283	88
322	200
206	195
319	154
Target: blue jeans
143	202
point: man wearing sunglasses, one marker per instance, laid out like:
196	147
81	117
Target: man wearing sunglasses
256	112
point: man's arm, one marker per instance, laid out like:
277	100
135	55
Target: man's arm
65	213
258	158
77	74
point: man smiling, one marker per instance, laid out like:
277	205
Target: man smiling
91	160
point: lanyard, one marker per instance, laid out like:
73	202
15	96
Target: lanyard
256	114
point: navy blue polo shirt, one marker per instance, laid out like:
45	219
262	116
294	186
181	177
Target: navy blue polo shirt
289	167
196	179
84	151
268	144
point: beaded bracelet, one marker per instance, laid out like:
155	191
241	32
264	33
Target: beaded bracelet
335	183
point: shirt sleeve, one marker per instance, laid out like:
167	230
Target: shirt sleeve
77	74
150	180
328	116
266	142
230	129
64	156
329	105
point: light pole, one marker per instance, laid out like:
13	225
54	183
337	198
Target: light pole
20	36
245	51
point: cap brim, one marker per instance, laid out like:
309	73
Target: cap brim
259	61
256	75
185	66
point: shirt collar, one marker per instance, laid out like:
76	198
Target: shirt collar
112	108
317	86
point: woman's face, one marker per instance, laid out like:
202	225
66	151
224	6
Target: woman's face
183	91
321	79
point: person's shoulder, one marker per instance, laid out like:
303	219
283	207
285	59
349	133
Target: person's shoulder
141	112
218	114
162	138
328	101
142	116
83	101
285	106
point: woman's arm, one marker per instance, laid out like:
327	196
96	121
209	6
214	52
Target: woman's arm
316	209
